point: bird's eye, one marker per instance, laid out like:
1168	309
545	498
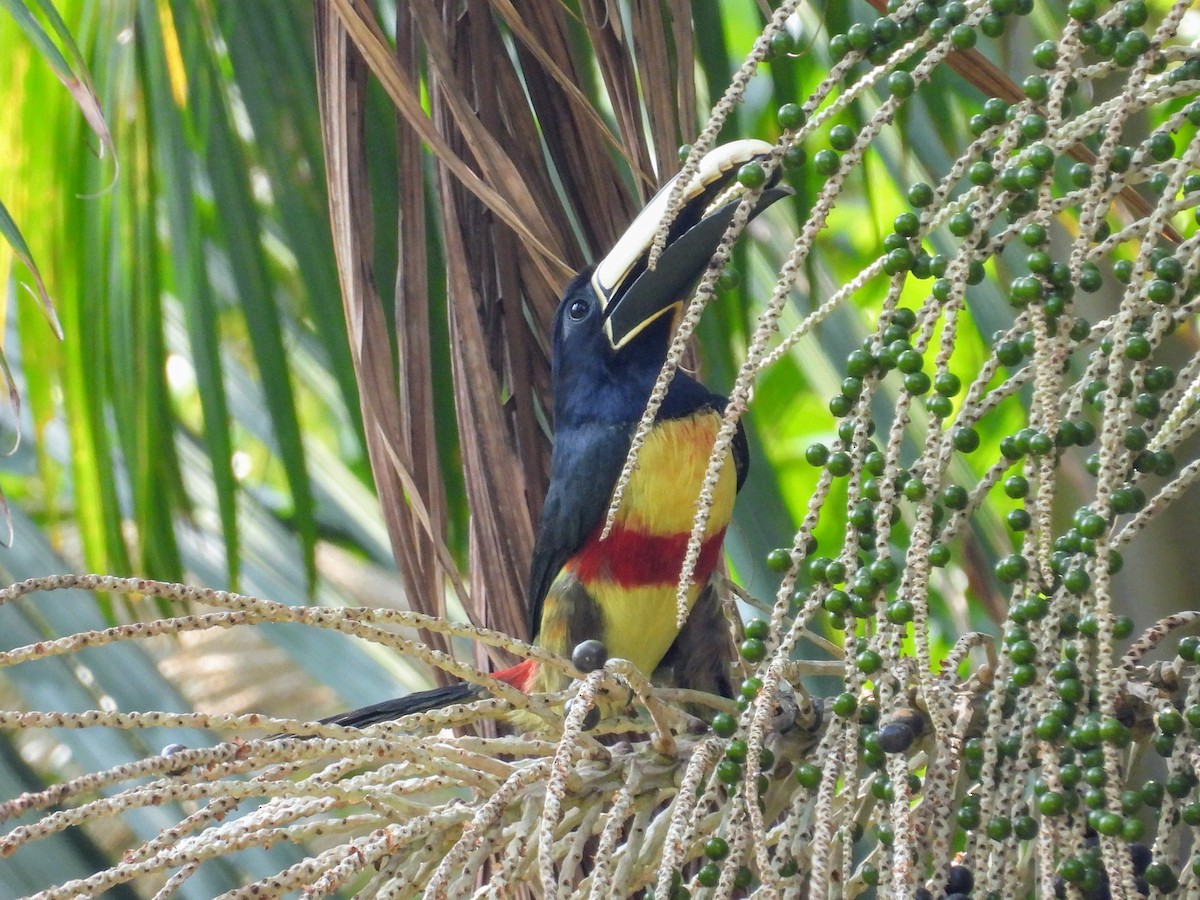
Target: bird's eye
578	309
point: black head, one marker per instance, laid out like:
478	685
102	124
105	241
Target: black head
615	320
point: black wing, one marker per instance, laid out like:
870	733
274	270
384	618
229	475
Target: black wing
741	455
420	701
586	464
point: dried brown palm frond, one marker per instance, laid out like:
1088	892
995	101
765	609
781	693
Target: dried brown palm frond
505	109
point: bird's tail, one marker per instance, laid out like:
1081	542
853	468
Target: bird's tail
519	676
421	701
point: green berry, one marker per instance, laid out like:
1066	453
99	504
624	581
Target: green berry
1052	804
845	705
1160	875
782	44
779	560
729	772
992	25
791	116
1162	145
1122	625
901	83
1025	827
1169	268
1092	525
1035	88
1153	793
1023	675
1034	126
1082	10
1049	727
998	828
1040	156
1045	55
917	383
1160	291
841	137
1120	159
752	175
963	37
1018	520
965	439
1137	347
955	496
939	406
839	465
947	384
920	194
724	724
758	628
753	650
884	31
907	224
868	662
808	776
795	157
859	36
837	602
961	224
1016	486
1011	568
1077	581
996	110
825	162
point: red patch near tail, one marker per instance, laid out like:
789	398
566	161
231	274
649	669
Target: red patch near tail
637	559
519	676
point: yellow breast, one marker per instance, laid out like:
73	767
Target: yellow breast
659	505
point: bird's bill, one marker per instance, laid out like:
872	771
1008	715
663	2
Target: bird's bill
634	296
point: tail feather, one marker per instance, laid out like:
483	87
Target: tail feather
421	701
520	676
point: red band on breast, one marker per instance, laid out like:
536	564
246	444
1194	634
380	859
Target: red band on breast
636	559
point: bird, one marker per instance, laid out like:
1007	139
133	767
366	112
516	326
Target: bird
614	594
